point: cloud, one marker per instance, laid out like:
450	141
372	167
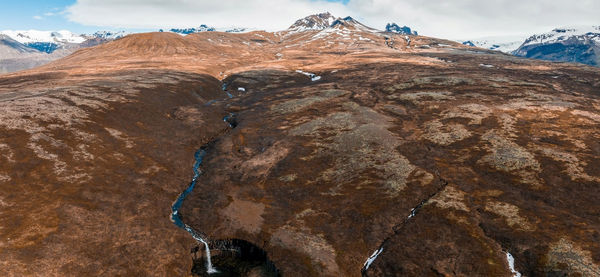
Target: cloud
476	18
441	18
263	14
37	17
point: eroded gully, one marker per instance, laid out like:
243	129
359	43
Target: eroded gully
198	159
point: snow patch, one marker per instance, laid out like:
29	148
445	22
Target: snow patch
313	77
31	36
505	44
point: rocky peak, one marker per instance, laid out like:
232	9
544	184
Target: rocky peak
351	23
107	35
395	28
313	22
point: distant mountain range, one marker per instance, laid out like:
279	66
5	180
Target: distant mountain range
25	49
205	28
575	44
21	50
50	41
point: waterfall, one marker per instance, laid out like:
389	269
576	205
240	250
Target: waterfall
209	267
511	265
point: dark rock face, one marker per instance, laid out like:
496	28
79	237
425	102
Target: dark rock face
236	257
46	47
395	28
468	43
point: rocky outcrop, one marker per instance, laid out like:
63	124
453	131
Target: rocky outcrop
395	28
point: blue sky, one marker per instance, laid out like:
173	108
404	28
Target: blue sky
20	15
454	19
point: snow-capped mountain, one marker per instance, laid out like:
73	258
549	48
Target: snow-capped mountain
187	31
205	28
27	49
575	44
313	22
50	41
565	34
45	41
395	28
30	36
108	35
506	44
236	30
16	56
10	48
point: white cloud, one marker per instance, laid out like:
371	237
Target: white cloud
263	14
441	18
37	17
477	18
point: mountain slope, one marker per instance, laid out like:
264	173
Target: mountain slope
10	48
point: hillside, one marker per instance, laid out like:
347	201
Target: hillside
321	150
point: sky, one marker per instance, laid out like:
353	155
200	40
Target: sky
452	19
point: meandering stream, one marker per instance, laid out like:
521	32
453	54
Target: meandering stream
199	157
